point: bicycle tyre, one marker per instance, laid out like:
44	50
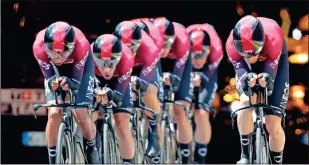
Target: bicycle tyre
109	146
265	149
258	146
64	140
163	155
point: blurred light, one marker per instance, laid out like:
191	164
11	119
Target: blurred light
228	98
298	94
284	14
235	95
22	21
299	131
291	123
16	7
303	23
227	79
239	9
305	139
300	58
296	34
108	20
254	14
233	81
297	91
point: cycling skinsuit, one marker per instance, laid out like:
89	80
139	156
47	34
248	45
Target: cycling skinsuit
182	67
154	33
273	60
120	82
79	67
146	59
209	73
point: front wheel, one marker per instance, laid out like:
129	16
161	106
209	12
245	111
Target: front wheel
64	153
109	146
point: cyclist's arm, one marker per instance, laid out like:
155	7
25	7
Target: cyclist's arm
122	86
214	59
241	68
271	63
181	51
149	54
78	69
42	59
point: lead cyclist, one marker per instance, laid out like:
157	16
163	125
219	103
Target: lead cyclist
257	45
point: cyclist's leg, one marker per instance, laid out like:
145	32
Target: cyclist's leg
152	101
201	117
85	95
122	118
184	95
245	125
53	122
279	99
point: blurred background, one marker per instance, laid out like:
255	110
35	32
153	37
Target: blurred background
23	138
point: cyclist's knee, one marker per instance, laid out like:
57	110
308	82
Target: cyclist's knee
273	125
94	116
54	114
82	116
179	111
122	123
151	93
201	117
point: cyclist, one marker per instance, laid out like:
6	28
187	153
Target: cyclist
67	47
146	55
177	46
206	53
154	33
113	67
257	45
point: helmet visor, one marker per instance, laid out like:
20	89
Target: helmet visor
201	54
257	47
108	63
59	54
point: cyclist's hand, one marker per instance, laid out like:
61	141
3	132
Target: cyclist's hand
251	79
101	96
63	83
196	80
166	78
263	79
55	84
133	83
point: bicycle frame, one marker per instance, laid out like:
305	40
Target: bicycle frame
259	125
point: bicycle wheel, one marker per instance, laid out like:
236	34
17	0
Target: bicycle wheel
163	156
109	146
64	153
258	146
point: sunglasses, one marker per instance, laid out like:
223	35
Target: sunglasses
107	63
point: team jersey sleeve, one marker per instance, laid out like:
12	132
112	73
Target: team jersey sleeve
214	58
123	80
78	68
43	60
181	51
149	54
240	66
273	57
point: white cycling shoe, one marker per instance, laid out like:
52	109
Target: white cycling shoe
243	161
